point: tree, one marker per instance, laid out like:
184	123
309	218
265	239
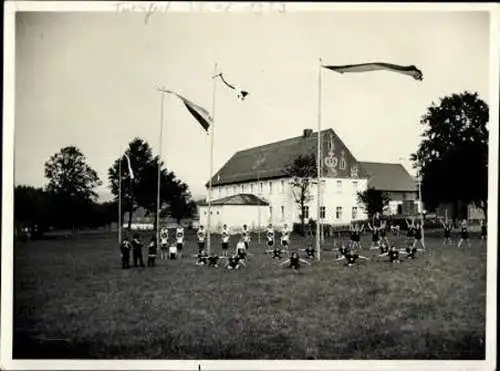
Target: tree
453	155
31	207
72	184
142	190
303	172
141	156
373	201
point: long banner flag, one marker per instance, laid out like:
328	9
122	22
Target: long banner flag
379	66
131	173
241	94
199	113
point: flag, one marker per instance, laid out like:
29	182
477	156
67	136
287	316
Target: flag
241	94
131	173
199	113
378	66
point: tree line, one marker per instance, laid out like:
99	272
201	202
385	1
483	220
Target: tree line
69	199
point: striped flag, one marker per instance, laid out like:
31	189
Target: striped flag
241	94
131	173
379	66
199	113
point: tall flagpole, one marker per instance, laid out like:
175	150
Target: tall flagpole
420	202
212	130
158	203
120	199
318	164
258	185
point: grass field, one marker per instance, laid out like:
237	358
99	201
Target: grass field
73	300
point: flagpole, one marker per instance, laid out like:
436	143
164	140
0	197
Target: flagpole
212	130
420	202
318	164
258	185
158	203
120	199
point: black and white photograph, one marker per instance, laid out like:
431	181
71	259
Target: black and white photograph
240	186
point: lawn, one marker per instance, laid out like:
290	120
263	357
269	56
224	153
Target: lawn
73	300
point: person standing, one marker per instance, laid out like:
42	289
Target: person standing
225	240
152	252
201	234
125	253
179	236
137	251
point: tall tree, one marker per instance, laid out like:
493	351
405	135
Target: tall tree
141	156
453	155
31	206
373	201
303	172
72	183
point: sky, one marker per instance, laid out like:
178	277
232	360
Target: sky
89	79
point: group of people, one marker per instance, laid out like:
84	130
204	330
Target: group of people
238	258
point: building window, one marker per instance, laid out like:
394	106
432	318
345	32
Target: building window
404	196
282	186
270	187
354	212
282	212
220	191
342	164
261	187
205	213
355	185
251	188
234	190
339	186
271	212
242	188
322	212
306	212
217	213
338	213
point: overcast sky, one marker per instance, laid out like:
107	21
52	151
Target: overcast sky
88	79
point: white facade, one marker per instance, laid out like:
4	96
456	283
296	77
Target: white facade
235	216
339	199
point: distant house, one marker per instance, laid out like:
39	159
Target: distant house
396	183
141	220
235	210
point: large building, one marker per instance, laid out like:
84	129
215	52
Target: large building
261	172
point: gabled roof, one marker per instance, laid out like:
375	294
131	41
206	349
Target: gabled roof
270	161
389	177
243	199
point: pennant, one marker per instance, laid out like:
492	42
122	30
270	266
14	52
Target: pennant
131	173
241	94
378	66
199	113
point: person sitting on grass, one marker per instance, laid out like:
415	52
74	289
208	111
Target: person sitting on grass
201	258
410	252
309	252
213	260
152	252
235	263
464	234
137	251
276	251
384	249
393	254
448	227
294	261
125	253
350	257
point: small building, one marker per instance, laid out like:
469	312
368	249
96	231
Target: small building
397	184
235	211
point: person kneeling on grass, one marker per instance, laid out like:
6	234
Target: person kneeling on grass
294	261
152	252
234	263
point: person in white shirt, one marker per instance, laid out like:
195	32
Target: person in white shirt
163	243
225	239
172	252
285	237
179	236
246	235
270	236
201	234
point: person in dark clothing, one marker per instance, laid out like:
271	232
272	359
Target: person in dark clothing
125	253
137	251
294	262
152	248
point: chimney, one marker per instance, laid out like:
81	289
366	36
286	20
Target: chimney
307	133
